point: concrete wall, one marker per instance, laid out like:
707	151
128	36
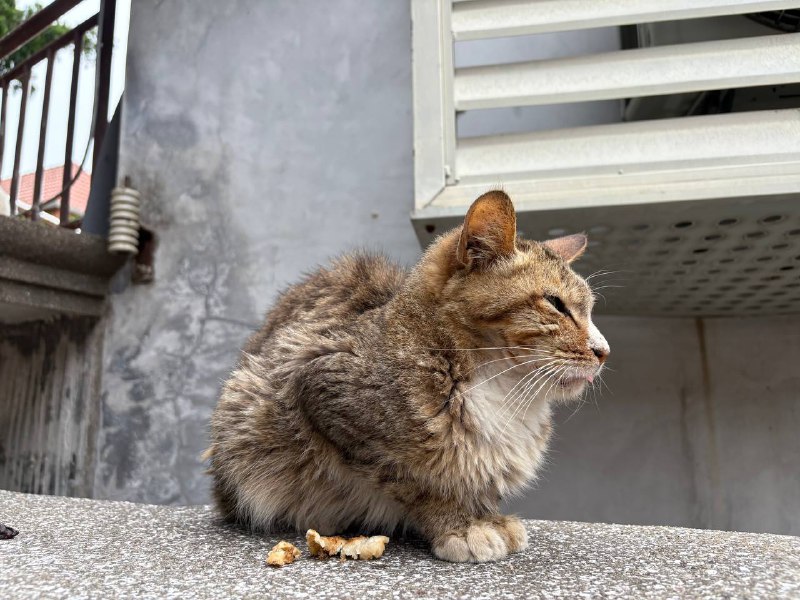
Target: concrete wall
267	136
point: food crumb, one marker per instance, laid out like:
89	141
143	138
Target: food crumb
358	548
282	554
6	533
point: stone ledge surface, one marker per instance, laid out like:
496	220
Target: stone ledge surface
79	548
47	271
57	247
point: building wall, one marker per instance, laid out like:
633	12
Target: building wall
268	136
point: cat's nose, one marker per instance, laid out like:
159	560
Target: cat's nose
598	343
601	353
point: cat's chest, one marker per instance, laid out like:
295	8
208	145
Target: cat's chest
509	425
504	403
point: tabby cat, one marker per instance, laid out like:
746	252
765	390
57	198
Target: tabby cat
374	398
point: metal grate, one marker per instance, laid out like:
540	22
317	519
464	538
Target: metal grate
732	257
699	214
738	260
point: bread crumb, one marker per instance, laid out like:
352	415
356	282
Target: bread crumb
358	548
283	553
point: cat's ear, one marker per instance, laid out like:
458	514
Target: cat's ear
569	247
489	231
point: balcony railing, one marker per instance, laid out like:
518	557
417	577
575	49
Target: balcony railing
21	74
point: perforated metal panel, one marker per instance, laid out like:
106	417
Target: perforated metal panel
723	257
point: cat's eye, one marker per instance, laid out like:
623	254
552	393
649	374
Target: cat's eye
558	304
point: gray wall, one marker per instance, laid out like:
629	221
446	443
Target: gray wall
267	136
696	426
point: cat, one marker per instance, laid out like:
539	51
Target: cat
375	398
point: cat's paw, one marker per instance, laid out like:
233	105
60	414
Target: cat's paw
483	540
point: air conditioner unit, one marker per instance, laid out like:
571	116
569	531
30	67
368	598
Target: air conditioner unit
698	210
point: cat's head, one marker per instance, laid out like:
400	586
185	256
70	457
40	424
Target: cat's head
503	291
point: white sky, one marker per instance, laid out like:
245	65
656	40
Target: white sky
59	96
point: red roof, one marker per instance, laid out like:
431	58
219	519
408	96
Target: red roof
52	182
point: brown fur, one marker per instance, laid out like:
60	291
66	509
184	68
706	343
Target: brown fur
373	398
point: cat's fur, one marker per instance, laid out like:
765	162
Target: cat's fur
375	398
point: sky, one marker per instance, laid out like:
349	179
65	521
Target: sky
59	96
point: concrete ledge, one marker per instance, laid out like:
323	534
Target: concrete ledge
46	271
44	244
44	302
22	271
85	548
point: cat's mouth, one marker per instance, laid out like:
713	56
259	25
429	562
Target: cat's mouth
572	382
576	379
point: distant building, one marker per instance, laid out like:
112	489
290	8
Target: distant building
52	182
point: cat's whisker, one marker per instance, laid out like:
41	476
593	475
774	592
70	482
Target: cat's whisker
555	377
597	294
604	384
514	407
496	375
607	277
603	287
517	389
596	274
575	412
523	381
488	362
595	392
581	403
520	399
529	380
536	373
531	397
601	272
520	396
478	348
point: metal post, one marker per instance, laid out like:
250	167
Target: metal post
68	148
37	181
3	131
25	82
105	44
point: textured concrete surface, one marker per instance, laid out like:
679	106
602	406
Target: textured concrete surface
81	549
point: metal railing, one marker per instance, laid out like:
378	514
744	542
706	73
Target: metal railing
21	73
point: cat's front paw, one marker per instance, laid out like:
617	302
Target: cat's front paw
483	540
